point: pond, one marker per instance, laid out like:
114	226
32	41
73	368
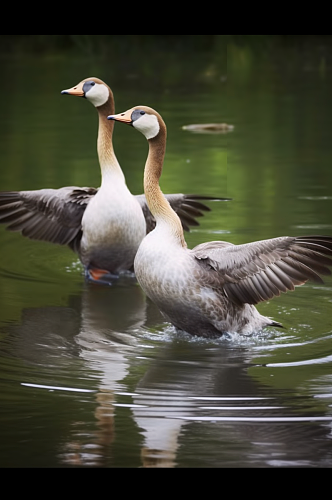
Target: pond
92	376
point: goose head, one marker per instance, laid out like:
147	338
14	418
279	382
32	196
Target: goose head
93	89
146	120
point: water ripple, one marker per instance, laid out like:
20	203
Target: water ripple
64	389
319	361
263	420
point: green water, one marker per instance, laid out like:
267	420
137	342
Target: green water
92	376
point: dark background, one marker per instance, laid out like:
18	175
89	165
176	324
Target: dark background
107	43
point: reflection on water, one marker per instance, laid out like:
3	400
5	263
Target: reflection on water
92	376
143	397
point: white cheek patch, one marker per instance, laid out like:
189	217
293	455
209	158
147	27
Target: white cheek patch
148	125
98	95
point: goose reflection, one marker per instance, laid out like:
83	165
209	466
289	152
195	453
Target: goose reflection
155	390
90	341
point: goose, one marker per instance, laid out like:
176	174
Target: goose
105	225
213	289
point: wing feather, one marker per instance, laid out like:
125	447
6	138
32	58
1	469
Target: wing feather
188	208
253	273
46	215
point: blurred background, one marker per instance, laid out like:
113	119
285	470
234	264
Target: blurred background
142	50
107	43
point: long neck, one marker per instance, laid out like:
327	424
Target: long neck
158	204
108	162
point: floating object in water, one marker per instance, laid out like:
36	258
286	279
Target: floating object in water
208	128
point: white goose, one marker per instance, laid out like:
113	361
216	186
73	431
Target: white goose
213	289
103	226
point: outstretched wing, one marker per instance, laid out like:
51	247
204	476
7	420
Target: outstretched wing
52	215
188	208
260	271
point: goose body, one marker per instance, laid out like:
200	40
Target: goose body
215	287
104	226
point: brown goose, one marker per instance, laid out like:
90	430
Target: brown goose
213	289
103	226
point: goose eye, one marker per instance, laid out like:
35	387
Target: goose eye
137	114
88	86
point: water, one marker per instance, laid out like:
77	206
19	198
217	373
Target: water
92	376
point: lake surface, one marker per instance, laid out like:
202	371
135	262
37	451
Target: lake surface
92	376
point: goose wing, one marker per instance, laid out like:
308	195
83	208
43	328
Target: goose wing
188	208
256	272
52	215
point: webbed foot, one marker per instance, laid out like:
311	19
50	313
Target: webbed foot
100	276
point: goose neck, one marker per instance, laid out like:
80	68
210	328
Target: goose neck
107	158
157	202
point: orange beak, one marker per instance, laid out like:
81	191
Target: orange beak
76	91
123	117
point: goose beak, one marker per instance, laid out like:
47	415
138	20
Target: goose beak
76	91
122	117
